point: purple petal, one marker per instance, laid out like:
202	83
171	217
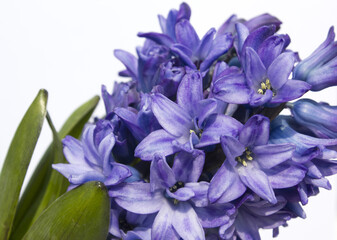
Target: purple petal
186	222
262	20
118	174
285	175
326	167
200	190
161	175
204	109
130	120
271	48
255	132
257	181
78	173
182	194
257	37
205	44
215	215
184	54
271	155
280	69
129	61
137	197
157	142
187	167
173	118
232	89
186	35
232	148
162	225
243	33
217	126
260	99
225	185
190	91
73	151
254	69
138	233
291	90
220	46
246	226
159	38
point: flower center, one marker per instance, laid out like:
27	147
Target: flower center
176	186
264	87
246	156
124	225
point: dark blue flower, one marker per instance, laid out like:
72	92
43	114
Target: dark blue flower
320	68
320	118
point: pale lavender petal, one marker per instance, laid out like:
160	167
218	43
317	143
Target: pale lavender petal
73	151
162	226
190	91
225	185
271	155
280	69
137	197
78	173
161	175
257	181
139	233
255	132
173	118
182	194
186	35
187	167
118	174
243	33
104	150
186	222
215	215
205	108
157	142
200	190
217	126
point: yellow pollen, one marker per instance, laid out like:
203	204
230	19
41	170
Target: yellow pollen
192	131
249	158
244	163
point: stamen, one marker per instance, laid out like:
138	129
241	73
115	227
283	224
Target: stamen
264	87
246	156
176	186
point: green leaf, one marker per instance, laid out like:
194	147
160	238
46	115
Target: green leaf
82	213
47	184
17	161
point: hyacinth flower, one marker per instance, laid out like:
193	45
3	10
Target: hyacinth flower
319	69
253	163
181	201
253	213
314	153
192	121
90	159
266	70
320	118
186	44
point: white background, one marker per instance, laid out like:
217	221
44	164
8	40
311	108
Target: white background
66	47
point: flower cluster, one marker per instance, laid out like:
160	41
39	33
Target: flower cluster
192	145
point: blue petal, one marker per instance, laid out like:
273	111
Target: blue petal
271	155
187	167
186	222
225	185
161	175
129	61
171	116
184	53
255	132
215	215
159	38
158	142
257	181
291	90
190	91
186	35
205	44
254	69
137	197
118	174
